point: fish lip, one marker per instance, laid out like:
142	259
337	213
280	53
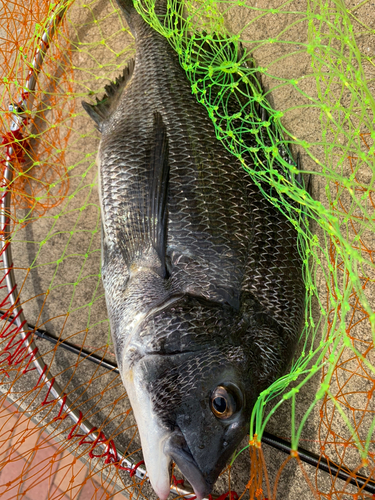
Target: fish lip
176	447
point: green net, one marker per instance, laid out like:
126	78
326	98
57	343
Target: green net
334	91
334	238
310	66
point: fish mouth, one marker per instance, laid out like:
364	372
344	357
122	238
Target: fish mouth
177	448
160	444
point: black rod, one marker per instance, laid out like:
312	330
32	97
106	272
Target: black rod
280	444
68	346
322	463
90	356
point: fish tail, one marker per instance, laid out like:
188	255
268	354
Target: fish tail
130	13
132	17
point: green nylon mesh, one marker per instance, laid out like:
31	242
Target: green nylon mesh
337	69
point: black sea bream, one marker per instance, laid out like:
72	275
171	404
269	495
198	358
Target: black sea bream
202	276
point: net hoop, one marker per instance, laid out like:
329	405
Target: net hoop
15	315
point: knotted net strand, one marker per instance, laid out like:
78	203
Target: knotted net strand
315	64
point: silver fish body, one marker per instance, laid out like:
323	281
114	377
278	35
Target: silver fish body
202	276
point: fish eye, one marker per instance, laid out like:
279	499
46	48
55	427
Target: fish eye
225	401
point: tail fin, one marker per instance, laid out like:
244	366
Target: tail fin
128	9
133	18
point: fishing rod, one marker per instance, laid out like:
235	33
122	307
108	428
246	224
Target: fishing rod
323	464
79	351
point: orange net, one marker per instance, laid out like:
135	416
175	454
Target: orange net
40	175
352	380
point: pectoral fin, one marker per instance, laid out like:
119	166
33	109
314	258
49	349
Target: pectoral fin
144	233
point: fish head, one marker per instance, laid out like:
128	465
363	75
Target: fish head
211	419
192	408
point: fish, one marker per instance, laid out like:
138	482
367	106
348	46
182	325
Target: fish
202	274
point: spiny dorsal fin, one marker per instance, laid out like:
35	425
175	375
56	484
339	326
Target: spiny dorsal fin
103	108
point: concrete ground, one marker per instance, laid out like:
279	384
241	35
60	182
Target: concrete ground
58	256
28	449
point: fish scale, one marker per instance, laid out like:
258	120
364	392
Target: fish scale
188	222
202	275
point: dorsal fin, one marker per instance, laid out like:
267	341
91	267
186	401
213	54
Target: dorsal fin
103	108
159	180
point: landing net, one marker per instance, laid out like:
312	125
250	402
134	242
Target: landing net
315	62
